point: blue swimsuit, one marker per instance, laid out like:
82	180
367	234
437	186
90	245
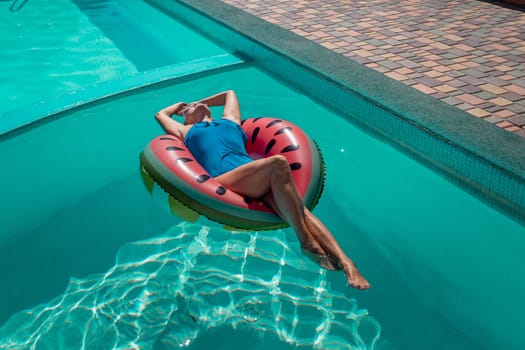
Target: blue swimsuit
218	145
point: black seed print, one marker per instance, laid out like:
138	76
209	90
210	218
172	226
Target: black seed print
220	190
202	178
255	133
280	131
248	200
184	160
254	120
295	166
269	146
174	148
290	148
167	139
273	122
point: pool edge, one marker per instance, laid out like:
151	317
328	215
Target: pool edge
498	153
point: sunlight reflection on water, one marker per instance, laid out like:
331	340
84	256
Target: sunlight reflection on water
163	292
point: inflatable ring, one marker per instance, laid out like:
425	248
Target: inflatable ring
193	192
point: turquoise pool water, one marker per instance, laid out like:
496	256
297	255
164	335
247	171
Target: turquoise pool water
83	42
95	261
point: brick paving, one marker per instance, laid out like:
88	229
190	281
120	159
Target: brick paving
468	53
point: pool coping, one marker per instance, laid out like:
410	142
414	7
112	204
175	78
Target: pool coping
499	150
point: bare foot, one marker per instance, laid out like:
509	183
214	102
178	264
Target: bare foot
354	277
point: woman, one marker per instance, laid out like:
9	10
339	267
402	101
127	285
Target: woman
219	147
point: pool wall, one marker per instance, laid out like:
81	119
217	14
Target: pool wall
481	158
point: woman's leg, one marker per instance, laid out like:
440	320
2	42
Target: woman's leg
273	176
327	242
311	248
266	175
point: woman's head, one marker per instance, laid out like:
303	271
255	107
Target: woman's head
195	112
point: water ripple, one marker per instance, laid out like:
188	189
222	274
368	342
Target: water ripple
165	291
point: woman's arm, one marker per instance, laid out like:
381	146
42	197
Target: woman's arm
228	99
169	125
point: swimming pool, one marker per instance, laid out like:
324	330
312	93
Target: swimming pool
414	235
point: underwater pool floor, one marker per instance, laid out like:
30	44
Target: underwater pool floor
469	54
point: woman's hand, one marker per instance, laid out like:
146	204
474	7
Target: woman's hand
170	125
176	108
